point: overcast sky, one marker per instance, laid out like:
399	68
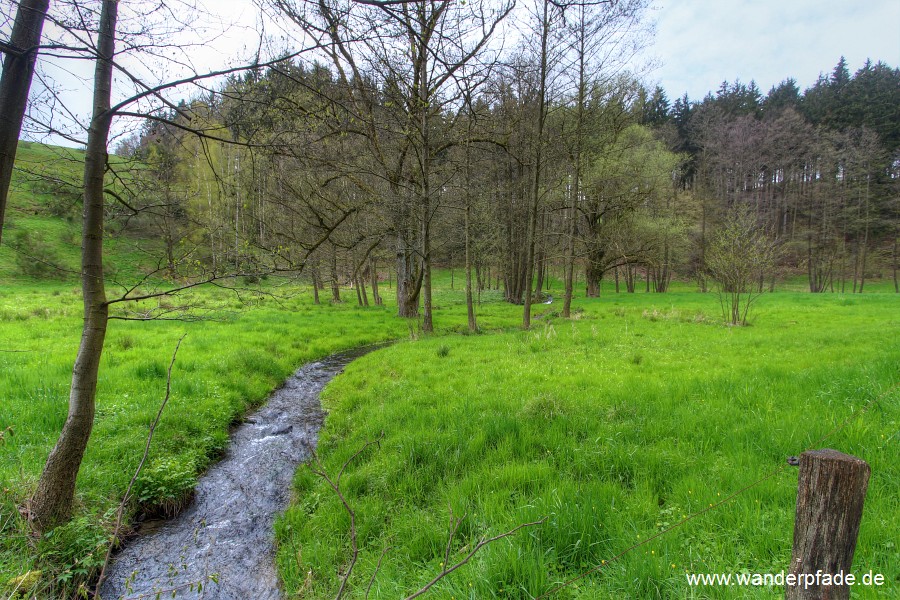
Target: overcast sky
703	42
698	43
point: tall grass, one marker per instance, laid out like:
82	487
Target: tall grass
612	426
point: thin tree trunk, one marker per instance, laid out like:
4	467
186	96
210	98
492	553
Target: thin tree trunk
424	106
427	319
53	499
361	284
335	286
18	69
865	242
315	285
894	266
470	306
536	179
539	259
376	296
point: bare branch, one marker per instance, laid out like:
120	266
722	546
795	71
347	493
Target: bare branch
481	544
137	471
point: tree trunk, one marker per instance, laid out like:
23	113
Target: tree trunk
335	285
315	285
470	306
427	322
53	499
894	266
576	183
865	243
15	82
376	297
409	281
592	277
540	261
592	272
536	176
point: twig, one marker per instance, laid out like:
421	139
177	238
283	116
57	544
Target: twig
375	572
336	486
137	471
481	544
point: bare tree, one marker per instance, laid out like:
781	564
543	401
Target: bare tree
52	500
397	62
739	252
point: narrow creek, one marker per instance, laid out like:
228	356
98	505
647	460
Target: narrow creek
226	531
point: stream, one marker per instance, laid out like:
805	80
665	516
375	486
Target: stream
226	531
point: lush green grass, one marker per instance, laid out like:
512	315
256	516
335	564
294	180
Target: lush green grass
228	362
612	426
42	233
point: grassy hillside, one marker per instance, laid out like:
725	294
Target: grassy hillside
42	233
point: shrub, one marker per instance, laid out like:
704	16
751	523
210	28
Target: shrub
165	486
739	257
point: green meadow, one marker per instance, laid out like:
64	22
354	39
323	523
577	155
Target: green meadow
607	428
611	427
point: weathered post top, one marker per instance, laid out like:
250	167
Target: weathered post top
830	495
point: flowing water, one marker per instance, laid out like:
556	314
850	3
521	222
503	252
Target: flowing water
226	532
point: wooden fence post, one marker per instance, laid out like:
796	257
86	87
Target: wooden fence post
830	495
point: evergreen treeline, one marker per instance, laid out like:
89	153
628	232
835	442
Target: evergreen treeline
819	168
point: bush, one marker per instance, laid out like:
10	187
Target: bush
72	555
165	486
739	257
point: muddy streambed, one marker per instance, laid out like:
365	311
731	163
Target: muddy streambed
226	531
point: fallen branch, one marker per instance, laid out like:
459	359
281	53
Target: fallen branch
375	572
455	522
481	544
336	487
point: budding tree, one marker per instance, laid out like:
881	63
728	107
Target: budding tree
740	253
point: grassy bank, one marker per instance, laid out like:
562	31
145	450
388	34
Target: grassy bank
244	347
612	427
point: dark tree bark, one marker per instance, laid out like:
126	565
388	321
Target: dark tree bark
894	267
53	499
315	284
335	285
18	69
